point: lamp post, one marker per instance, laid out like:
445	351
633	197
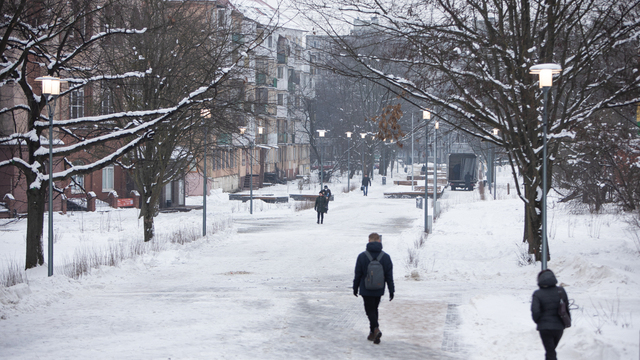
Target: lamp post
260	131
364	168
435	168
242	131
50	87
426	115
206	114
493	172
412	151
349	133
545	73
321	134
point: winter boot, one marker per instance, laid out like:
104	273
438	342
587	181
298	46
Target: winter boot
377	334
370	337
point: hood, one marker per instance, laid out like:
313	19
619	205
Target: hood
546	278
374	247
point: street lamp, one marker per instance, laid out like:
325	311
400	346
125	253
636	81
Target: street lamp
545	73
349	133
493	173
435	168
426	115
260	131
321	134
364	168
412	151
51	87
206	114
251	144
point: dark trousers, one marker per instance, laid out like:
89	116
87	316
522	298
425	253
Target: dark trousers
365	190
371	308
550	340
320	217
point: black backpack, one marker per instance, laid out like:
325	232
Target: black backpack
375	273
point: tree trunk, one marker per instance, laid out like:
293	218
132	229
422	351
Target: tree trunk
148	227
148	214
35	222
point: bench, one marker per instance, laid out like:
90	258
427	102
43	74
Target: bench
306	197
266	198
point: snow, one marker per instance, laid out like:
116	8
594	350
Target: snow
276	284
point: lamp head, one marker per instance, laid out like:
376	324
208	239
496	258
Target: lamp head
349	134
260	129
50	85
495	131
321	132
363	135
545	73
205	113
437	125
242	130
426	114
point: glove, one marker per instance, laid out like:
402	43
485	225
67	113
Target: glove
355	292
390	296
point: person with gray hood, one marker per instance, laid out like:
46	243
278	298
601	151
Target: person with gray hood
544	310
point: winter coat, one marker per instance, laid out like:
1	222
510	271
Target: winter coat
362	263
327	193
366	181
545	302
321	204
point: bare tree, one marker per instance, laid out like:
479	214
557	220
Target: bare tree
471	59
184	48
62	38
600	165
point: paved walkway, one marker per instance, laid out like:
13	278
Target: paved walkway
279	288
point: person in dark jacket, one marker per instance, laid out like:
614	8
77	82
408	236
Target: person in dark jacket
467	182
371	298
366	181
327	193
321	207
544	310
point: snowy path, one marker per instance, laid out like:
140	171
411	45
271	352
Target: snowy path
265	293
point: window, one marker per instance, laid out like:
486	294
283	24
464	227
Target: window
76	104
270	41
281	99
107	178
106	102
280	72
77	181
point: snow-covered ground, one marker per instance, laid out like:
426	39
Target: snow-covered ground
275	284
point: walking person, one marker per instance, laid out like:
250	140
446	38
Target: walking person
321	206
544	310
327	193
366	181
371	297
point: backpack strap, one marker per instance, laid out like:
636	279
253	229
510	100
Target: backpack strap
368	255
379	257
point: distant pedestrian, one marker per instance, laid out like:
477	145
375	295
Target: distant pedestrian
327	193
544	310
365	184
467	181
321	206
371	298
